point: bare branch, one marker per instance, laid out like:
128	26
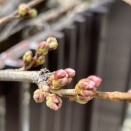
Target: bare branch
16	75
113	96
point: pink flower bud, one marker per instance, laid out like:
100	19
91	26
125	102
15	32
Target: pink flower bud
96	79
42	48
39	96
70	72
85	87
54	102
59	74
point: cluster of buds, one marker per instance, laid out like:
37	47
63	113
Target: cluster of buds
53	101
25	10
43	48
85	88
61	78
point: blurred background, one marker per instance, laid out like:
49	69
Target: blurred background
94	37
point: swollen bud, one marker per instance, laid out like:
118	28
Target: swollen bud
32	13
54	102
85	87
28	56
40	60
23	9
42	48
52	43
39	96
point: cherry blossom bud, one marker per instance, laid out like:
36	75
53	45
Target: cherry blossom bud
87	84
23	9
32	13
85	87
82	99
39	96
59	74
28	56
96	79
42	48
54	102
40	60
70	72
52	43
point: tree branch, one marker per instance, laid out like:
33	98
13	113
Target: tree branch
40	78
15	14
16	75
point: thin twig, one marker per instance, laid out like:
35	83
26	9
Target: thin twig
15	14
113	96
